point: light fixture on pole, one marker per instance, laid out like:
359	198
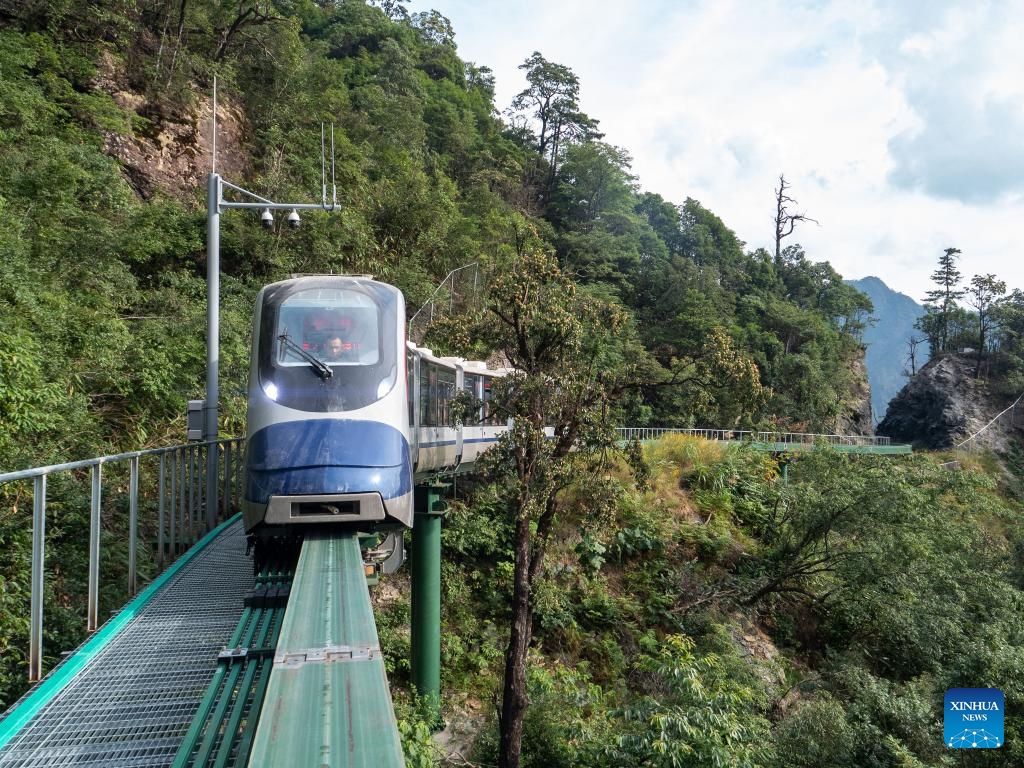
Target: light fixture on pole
216	204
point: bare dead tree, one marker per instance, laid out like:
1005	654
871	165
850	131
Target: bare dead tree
912	344
248	13
785	219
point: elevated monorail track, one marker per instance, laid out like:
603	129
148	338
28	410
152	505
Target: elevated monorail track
328	702
213	667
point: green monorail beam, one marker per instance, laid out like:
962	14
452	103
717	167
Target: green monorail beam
328	702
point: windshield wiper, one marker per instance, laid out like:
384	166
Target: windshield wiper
319	366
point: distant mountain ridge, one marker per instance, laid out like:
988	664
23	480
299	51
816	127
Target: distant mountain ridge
887	340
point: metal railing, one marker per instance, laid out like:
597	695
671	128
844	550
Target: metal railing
182	514
735	435
459	288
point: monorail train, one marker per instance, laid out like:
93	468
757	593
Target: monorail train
344	415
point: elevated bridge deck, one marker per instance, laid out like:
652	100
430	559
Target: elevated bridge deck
774	442
127	696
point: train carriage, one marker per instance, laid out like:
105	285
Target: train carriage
344	415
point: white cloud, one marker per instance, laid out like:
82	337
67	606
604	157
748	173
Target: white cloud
961	77
898	124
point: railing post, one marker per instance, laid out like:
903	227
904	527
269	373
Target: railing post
182	495
133	522
35	641
93	619
174	504
212	490
161	493
226	483
191	493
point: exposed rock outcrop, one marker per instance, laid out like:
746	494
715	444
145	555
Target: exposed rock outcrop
943	405
855	417
172	152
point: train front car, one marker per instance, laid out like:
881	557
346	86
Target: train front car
327	417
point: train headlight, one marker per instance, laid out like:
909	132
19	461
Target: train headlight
270	389
386	385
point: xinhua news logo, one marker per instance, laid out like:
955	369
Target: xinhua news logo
974	718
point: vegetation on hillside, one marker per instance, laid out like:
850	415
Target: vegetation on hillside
697	609
979	318
688	606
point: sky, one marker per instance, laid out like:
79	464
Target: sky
899	125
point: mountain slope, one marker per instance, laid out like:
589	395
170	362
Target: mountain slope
887	340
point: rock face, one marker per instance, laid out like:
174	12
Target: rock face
943	405
172	153
855	418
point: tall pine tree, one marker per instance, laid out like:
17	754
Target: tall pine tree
941	302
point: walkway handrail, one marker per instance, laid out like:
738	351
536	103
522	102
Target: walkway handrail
739	435
180	490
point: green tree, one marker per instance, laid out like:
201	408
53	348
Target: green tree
985	295
562	343
551	104
940	302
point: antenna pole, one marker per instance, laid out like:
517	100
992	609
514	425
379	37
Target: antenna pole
213	200
323	167
210	407
214	169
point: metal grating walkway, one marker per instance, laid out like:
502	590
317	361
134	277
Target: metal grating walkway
133	702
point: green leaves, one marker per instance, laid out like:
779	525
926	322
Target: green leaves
696	716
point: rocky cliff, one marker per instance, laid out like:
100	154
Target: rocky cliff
855	417
944	405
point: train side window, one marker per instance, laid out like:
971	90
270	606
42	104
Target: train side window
445	396
471	386
428	393
490	417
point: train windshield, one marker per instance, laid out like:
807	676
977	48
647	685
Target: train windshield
326	346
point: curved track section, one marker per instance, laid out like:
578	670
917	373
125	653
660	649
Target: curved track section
136	690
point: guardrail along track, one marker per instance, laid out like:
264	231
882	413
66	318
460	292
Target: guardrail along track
222	731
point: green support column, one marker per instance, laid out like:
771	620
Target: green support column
426	595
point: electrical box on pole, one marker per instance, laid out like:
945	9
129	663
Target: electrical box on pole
195	419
